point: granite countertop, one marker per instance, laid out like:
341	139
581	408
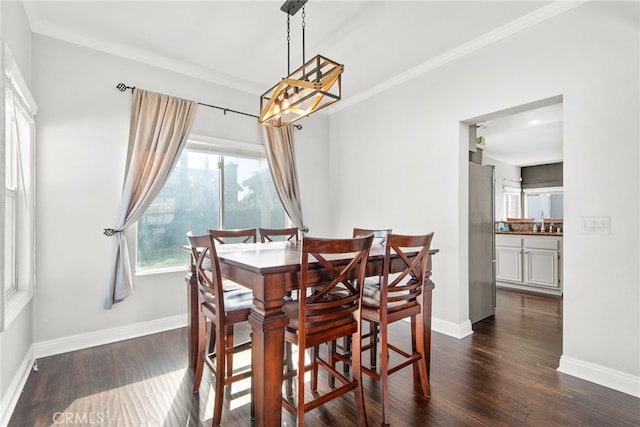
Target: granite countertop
531	233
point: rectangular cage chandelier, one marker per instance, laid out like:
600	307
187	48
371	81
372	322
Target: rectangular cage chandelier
313	86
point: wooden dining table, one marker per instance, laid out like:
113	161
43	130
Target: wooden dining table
271	270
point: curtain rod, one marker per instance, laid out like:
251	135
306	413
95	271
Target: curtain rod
123	87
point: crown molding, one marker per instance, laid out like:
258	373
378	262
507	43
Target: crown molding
122	50
547	12
140	55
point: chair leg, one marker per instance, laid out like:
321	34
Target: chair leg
289	367
422	365
414	348
201	353
356	358
373	342
384	375
220	379
346	345
331	360
229	336
300	377
314	368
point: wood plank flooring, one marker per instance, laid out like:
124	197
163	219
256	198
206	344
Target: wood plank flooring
503	375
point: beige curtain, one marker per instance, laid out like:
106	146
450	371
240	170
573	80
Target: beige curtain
158	132
278	144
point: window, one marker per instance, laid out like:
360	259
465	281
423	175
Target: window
511	202
210	187
19	196
544	203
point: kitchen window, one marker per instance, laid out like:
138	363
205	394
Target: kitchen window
512	202
544	203
215	184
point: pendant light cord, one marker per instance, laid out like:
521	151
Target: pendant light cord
288	45
303	26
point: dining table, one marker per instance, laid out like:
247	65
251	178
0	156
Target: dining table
271	270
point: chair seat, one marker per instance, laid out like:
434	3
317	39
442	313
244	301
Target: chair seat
235	301
371	296
230	285
292	310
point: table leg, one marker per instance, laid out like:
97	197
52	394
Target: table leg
267	352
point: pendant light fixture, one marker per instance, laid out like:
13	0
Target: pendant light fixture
311	87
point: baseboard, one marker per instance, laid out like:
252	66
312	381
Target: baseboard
601	375
107	336
10	399
455	330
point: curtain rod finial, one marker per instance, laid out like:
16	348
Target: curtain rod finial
123	87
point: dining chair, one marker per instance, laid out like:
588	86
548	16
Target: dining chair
221	237
288	234
399	297
379	238
220	310
328	308
239	235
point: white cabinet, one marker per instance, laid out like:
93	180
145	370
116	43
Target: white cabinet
529	262
509	258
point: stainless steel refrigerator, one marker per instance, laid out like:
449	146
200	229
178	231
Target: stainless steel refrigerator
482	279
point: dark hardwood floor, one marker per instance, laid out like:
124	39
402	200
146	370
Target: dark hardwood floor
503	375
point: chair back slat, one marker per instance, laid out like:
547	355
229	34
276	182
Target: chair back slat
207	270
379	235
240	235
405	287
272	234
332	298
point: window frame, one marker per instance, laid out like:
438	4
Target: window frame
208	145
13	300
508	191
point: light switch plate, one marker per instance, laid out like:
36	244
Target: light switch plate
595	225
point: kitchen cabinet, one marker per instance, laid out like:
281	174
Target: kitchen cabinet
529	262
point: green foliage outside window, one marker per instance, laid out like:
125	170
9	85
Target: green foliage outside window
190	201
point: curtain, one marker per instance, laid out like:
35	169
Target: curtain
158	132
278	144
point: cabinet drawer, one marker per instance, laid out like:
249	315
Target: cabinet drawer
550	243
509	241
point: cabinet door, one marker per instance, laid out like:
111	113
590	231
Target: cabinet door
542	267
509	264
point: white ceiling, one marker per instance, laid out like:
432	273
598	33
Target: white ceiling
242	44
529	138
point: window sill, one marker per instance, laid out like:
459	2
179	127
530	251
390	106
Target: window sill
14	305
151	272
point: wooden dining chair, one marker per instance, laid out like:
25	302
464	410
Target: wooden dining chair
379	235
239	235
287	234
221	237
328	308
379	238
398	297
220	310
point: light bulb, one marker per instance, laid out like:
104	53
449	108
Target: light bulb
285	103
296	96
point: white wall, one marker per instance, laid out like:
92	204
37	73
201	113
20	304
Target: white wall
82	129
399	160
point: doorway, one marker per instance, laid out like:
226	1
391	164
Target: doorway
512	140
